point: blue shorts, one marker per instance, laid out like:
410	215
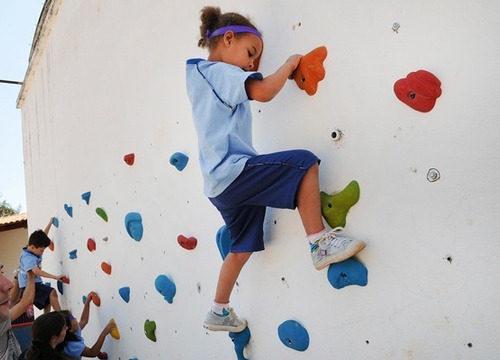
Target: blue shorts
42	295
266	180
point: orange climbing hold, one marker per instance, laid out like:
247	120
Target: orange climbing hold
106	267
96	299
51	245
310	70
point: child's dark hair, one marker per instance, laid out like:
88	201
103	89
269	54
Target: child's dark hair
44	328
39	239
70	335
212	19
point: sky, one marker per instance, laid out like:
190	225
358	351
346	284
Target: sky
18	20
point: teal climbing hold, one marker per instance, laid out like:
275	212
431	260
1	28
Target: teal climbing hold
347	272
84	299
179	160
133	224
223	240
68	209
55	221
149	330
72	254
124	293
335	207
165	287
102	213
86	197
240	340
293	335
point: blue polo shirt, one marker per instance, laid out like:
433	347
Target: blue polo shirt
223	120
28	261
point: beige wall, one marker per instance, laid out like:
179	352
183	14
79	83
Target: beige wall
11	243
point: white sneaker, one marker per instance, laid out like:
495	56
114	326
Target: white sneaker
228	321
330	248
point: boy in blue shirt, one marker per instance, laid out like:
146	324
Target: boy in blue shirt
31	260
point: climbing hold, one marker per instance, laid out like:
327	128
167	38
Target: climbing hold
55	221
91	244
129	159
133	224
65	279
179	160
149	330
115	333
102	213
84	299
187	243
96	299
310	70
240	340
419	90
433	175
124	293
86	197
106	267
60	287
72	254
336	206
105	238
347	272
102	355
165	287
51	245
223	240
293	335
69	210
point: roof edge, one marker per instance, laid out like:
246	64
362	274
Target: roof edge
44	27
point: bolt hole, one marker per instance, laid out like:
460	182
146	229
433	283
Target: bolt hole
449	259
329	206
367	342
411	95
334	135
344	275
303	79
469	345
289	341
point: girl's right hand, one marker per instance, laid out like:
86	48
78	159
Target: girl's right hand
294	61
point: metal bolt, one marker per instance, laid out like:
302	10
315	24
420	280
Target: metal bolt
433	175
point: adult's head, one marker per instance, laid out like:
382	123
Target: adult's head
5	286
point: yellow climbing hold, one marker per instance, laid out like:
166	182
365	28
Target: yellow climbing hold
115	333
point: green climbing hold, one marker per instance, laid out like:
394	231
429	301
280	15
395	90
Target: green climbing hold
149	330
335	207
102	213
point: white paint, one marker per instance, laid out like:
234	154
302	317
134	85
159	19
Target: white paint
110	81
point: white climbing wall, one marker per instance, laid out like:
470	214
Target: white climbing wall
107	79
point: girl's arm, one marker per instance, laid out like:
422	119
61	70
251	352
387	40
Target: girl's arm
266	89
84	318
96	349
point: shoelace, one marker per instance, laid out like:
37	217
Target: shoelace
336	241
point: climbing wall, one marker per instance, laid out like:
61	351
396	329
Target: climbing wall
408	108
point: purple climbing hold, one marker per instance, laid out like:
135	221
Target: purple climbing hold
347	272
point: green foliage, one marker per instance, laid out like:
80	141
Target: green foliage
6	209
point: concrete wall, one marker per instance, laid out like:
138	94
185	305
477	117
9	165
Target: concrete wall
110	81
11	244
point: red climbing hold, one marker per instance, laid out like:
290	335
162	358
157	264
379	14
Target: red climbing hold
187	243
310	70
65	279
91	244
51	245
129	159
96	299
419	90
106	268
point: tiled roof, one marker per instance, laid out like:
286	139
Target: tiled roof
13	221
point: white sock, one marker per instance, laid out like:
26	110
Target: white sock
219	308
313	237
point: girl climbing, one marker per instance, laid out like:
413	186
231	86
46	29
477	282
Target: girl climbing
237	180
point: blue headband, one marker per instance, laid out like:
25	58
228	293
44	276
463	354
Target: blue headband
235	28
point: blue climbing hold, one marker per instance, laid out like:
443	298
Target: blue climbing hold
60	287
72	254
240	340
86	197
133	224
179	160
293	335
84	299
124	293
69	210
165	287
223	240
347	272
55	221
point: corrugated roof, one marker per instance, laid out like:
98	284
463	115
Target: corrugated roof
15	221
